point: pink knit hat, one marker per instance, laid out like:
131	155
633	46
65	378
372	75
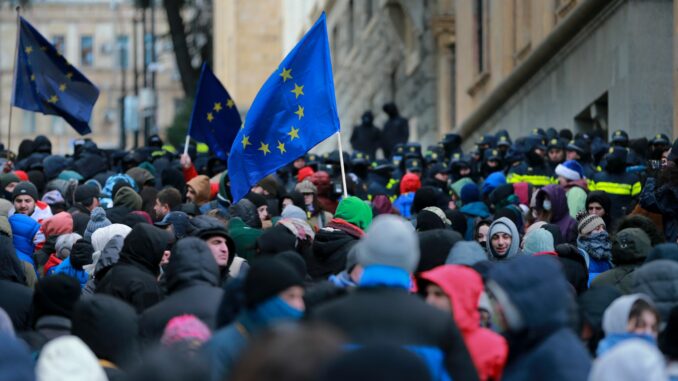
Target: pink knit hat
185	329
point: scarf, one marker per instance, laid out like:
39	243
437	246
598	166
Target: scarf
597	245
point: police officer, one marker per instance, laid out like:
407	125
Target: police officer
534	169
622	187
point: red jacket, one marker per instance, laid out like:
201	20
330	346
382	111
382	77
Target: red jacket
51	262
463	287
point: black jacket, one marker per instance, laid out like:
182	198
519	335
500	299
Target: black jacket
16	299
330	248
392	316
192	279
134	278
365	138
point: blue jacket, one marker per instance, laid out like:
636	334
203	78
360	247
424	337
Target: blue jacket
472	211
545	348
404	204
66	268
24	229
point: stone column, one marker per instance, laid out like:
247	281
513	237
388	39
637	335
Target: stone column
443	32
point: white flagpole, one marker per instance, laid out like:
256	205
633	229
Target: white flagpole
341	163
188	139
16	55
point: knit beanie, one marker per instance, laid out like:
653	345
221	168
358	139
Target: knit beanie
60	223
97	220
68	358
64	244
470	193
266	278
185	330
101	236
257	199
306	186
355	211
409	183
8	178
389	241
586	223
67	175
304	173
293	211
128	198
538	241
53	197
570	170
81	254
25	188
55	295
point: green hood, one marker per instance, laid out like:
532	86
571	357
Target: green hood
355	211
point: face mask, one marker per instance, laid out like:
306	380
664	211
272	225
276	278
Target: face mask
547	205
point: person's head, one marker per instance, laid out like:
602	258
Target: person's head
556	154
167	200
633	313
55	295
571	154
198	190
213	232
355	211
307	189
8	181
262	205
219	248
389	241
503	239
87	195
24	196
588	224
481	230
272	280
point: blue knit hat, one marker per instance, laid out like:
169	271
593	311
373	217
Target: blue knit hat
470	193
570	170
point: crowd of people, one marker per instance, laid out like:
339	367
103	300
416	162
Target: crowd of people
553	256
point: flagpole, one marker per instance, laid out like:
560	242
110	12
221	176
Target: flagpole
341	163
16	55
188	139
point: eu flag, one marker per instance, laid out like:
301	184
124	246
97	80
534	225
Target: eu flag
215	120
47	83
294	111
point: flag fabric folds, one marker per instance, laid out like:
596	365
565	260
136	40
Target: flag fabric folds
46	82
294	111
215	119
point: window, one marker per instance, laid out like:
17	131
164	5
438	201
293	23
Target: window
148	56
481	34
59	43
522	25
86	50
122	43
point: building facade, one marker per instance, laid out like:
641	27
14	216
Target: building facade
582	65
97	37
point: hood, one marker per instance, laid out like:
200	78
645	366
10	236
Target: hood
434	246
144	246
247	212
42	144
24	229
658	280
381	205
201	186
140	175
594	302
58	224
128	198
391	110
11	268
109	256
276	240
458	185
16	362
537	288
109	328
632	359
630	246
409	183
663	251
102	235
616	316
503	223
355	211
556	194
476	209
463	287
494	180
191	263
466	253
53	165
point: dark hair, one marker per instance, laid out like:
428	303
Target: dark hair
169	196
480	224
640	306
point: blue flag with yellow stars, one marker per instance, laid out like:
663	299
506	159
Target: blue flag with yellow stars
47	83
215	120
293	112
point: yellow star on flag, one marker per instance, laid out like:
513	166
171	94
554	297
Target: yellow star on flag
298	90
217	106
245	142
264	148
28	49
53	99
32	77
281	147
62	87
300	112
69	75
210	117
286	74
294	133
230	103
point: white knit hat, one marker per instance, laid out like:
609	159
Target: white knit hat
68	358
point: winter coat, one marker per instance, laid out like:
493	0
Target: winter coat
628	253
134	278
107	259
463	287
545	348
560	214
192	284
330	248
245	238
16	299
365	138
404	204
66	268
396	130
623	189
385	314
663	200
435	246
473	211
658	280
24	230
